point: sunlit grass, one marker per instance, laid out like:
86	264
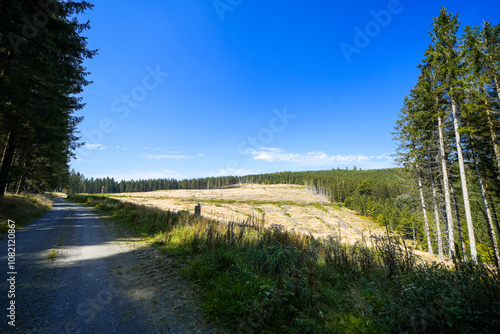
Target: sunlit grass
22	209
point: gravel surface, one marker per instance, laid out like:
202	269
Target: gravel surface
77	273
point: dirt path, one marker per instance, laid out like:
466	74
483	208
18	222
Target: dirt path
77	273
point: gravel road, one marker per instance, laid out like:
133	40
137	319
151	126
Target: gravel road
77	273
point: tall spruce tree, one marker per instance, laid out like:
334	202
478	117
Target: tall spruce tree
41	71
449	68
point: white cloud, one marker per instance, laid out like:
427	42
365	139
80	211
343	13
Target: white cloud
95	147
320	158
166	156
201	154
234	172
80	160
226	172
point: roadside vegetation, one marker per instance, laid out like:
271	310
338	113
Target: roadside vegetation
22	209
269	280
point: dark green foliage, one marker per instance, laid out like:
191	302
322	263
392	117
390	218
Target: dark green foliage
41	73
365	188
435	299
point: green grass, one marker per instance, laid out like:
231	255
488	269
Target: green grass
259	210
320	206
259	280
52	254
22	209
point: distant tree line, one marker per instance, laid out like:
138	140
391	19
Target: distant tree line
337	185
447	135
77	183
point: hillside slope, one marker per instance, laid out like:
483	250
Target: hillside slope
292	206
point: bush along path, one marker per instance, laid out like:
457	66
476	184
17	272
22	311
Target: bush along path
253	280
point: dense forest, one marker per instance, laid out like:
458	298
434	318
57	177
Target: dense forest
41	73
447	136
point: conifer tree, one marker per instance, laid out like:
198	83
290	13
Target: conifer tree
449	69
41	71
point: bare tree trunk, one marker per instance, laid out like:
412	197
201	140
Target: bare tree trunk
486	207
7	158
493	213
497	86
436	218
465	191
459	224
3	68
494	139
414	235
447	201
424	209
23	177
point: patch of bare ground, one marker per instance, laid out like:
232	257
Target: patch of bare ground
153	279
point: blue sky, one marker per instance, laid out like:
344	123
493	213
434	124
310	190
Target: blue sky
197	88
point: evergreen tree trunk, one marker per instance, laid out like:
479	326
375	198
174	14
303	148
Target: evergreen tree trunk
436	217
494	139
447	201
424	209
497	86
493	213
465	192
22	179
414	235
459	224
7	157
486	207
